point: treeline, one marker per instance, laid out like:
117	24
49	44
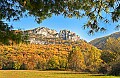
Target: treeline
81	57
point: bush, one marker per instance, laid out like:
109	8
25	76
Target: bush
102	70
23	67
17	65
8	65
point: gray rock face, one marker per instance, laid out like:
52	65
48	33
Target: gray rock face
38	35
45	32
68	35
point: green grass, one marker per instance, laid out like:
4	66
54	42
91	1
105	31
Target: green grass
47	74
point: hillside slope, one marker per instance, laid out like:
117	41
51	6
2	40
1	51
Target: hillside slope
100	42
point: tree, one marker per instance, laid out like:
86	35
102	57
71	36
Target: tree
94	10
5	33
8	36
53	63
76	60
115	69
18	37
107	56
92	59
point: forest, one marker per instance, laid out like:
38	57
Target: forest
76	57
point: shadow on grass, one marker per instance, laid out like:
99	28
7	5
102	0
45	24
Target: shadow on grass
102	75
73	73
98	75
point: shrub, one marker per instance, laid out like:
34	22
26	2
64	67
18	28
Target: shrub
102	69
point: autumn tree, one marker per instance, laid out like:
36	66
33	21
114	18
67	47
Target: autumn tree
76	60
107	56
92	58
53	63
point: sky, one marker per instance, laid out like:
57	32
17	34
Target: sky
59	23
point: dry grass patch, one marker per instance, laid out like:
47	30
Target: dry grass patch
47	74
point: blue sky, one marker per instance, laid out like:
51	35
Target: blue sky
59	23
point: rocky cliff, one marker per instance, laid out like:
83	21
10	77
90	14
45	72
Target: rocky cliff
42	35
68	35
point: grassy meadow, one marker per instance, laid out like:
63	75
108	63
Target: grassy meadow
47	74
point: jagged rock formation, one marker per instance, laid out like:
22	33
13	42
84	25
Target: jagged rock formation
43	35
68	35
45	32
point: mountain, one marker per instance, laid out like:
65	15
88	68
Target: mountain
43	35
100	42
